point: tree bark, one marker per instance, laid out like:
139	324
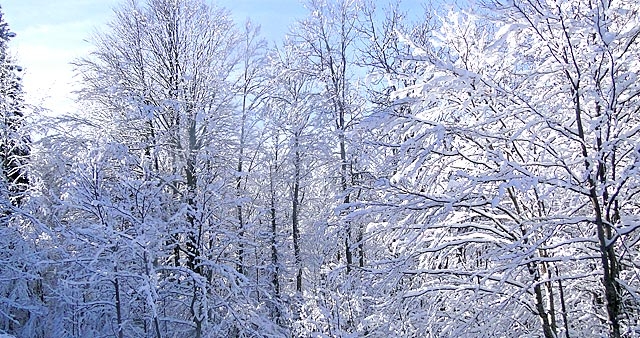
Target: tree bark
295	212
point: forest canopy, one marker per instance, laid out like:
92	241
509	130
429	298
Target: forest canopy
472	173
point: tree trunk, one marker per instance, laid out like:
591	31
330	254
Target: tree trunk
563	304
275	265
603	229
116	285
295	213
156	324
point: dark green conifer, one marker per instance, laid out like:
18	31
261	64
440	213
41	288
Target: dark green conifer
14	145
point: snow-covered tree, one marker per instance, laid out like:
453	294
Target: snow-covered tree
21	292
471	175
14	143
508	203
251	91
161	83
328	38
296	155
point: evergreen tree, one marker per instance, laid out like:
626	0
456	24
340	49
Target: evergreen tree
22	311
14	147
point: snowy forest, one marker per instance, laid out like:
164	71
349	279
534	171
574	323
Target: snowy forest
471	173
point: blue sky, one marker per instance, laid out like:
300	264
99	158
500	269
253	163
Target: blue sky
50	34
